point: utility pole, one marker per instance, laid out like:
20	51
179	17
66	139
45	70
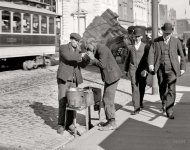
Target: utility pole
78	16
154	35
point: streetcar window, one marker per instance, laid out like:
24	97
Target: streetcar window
16	22
26	23
35	24
44	24
51	25
47	1
6	21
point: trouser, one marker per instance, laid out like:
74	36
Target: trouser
138	85
108	99
167	87
62	88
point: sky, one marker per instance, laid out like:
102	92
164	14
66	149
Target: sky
180	6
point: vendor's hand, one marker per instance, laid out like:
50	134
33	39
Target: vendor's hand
91	55
127	74
151	68
83	54
182	72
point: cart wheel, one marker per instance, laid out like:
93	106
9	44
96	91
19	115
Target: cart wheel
24	65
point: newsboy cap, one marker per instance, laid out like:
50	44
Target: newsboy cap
89	40
75	36
167	28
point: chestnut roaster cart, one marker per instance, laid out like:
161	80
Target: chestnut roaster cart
83	98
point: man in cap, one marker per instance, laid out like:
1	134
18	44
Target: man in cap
135	68
102	57
68	75
163	60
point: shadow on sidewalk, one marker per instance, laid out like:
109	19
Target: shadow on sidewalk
50	115
136	133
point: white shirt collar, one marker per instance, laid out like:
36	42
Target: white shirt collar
166	40
137	45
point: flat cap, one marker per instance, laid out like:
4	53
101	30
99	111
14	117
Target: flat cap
89	40
75	36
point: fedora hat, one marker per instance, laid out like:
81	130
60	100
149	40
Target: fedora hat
138	31
167	28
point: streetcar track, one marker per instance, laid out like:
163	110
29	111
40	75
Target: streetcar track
17	89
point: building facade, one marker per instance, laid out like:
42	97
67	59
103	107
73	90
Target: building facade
125	12
141	12
163	15
172	19
183	25
88	9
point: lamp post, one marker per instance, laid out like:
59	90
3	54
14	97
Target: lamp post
78	16
155	35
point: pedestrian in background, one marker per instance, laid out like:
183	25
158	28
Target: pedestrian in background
102	57
68	75
163	60
135	68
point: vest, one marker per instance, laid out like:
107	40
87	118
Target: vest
165	58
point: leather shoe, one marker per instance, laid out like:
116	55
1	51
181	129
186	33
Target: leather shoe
71	128
110	126
103	124
170	116
60	129
136	111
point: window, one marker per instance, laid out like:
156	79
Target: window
26	23
35	24
44	24
51	25
16	22
6	21
124	1
125	12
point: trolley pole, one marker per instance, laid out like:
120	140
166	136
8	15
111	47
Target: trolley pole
78	16
154	35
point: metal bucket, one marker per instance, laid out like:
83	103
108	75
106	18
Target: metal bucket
75	97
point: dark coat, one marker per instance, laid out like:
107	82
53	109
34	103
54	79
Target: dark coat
156	50
109	68
134	64
69	60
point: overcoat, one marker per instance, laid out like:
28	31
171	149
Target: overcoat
69	62
133	64
175	49
109	68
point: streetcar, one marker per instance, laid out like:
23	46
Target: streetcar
26	31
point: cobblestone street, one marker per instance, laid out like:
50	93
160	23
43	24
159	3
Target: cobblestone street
28	109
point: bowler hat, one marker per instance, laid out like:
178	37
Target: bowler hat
167	28
138	31
75	36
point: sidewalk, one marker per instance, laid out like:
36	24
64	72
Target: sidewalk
149	130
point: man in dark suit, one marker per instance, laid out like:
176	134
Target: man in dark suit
135	68
163	60
102	57
68	75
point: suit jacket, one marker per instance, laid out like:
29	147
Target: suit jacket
109	68
133	64
156	50
69	61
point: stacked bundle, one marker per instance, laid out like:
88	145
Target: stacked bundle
105	28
